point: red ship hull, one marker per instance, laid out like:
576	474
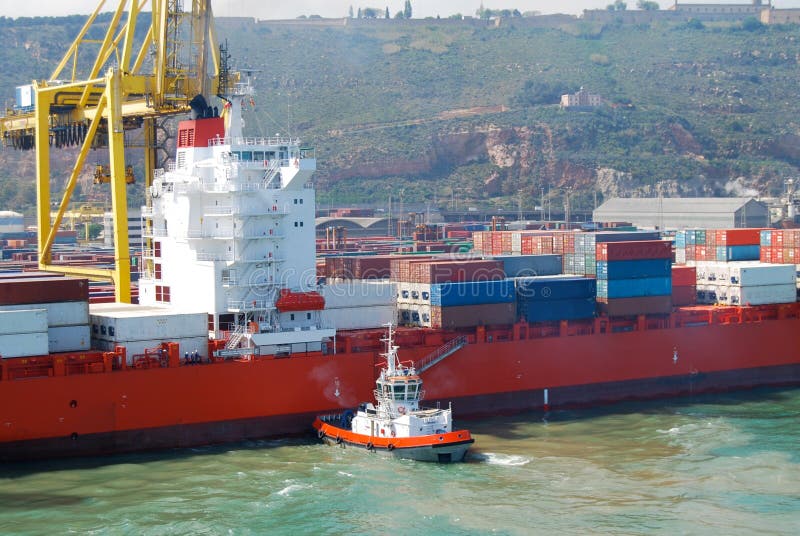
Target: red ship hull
500	370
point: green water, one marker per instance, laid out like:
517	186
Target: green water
727	464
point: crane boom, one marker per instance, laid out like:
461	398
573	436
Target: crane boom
123	89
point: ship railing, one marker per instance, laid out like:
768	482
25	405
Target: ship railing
253	140
205	256
217	210
238	306
154	233
146	212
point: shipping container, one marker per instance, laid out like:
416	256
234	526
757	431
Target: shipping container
446	271
43	290
344	318
626	251
757	274
639	305
736	237
761	295
630	288
684	295
125	322
554	310
547	288
472	293
684	276
633	269
58	313
467	316
69	339
414	315
358	293
23	344
738	253
530	265
23	321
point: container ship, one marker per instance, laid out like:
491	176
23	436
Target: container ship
237	336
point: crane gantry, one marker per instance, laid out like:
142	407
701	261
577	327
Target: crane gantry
128	86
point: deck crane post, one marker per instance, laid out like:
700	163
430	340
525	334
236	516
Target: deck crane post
124	89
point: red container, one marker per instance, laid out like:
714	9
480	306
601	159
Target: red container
736	237
446	271
43	290
643	305
634	250
684	295
683	276
372	267
299	301
467	316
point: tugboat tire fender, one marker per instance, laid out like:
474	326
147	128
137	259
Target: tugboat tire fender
338	440
369	446
390	447
320	434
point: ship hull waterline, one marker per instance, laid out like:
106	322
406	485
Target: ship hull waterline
188	406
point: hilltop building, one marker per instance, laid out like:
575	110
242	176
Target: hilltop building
721	11
582	100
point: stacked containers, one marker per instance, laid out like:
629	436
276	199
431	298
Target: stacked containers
722	245
529	265
780	246
745	283
553	298
684	285
468	304
64	300
634	278
23	333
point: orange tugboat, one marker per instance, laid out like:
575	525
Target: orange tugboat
396	423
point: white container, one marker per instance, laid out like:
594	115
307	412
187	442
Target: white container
375	316
69	338
414	315
706	294
23	344
23	321
58	313
757	274
762	295
358	293
116	322
137	348
713	271
413	293
516	243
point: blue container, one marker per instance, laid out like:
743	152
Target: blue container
473	293
546	289
631	288
766	238
634	269
555	310
738	253
529	265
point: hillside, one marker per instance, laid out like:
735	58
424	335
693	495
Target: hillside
443	109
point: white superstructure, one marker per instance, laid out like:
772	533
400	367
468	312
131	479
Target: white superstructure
232	225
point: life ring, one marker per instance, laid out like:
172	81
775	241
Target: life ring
320	434
401	410
394	433
390	447
369	446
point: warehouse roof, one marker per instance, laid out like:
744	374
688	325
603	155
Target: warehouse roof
674	204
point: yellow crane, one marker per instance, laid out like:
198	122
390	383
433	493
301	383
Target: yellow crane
128	85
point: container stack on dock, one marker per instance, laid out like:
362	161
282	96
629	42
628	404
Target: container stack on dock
780	246
720	245
529	265
634	278
64	303
554	298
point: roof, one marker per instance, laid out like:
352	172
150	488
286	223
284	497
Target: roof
675	204
10	214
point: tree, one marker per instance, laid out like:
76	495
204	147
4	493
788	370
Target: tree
386	16
350	13
619	5
407	10
647	5
359	13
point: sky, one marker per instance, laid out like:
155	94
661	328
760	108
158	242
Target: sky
277	9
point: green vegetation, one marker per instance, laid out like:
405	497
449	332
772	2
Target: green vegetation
464	109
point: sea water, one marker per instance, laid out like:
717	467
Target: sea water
721	464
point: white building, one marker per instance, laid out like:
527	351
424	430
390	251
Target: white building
684	212
11	222
581	100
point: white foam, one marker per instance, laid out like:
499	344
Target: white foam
500	459
345	474
291	488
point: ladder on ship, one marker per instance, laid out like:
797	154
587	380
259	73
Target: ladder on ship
447	349
236	337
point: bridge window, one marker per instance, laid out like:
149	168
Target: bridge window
399	391
247	156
